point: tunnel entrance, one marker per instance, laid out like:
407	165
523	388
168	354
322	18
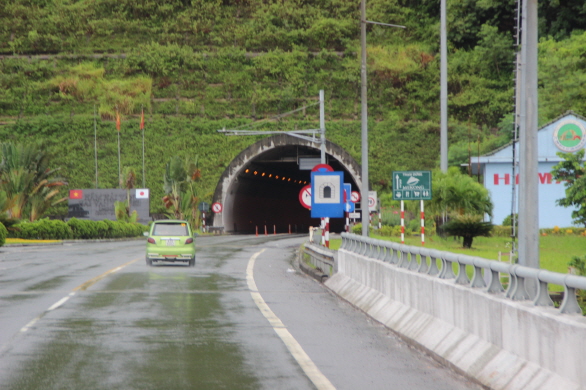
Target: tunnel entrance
260	188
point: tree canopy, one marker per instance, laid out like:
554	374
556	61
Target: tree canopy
571	173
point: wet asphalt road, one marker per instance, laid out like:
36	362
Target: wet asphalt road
95	316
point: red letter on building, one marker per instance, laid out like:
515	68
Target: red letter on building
506	178
545	178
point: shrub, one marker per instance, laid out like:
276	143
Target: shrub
46	229
3	234
42	229
101	229
556	229
59	229
391	219
501	231
507	220
579	264
414	225
83	229
467	227
386	231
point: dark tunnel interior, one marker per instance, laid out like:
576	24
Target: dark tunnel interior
265	194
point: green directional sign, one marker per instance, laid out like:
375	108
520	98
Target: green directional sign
411	185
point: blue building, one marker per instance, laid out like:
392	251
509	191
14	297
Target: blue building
565	134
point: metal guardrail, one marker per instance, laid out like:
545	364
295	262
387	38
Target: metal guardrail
406	256
321	258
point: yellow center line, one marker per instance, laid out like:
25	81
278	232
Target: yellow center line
91	282
307	365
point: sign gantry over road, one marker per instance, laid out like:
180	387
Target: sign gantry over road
411	185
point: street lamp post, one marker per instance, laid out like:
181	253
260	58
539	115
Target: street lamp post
363	96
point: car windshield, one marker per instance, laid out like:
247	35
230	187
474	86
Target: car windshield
170	229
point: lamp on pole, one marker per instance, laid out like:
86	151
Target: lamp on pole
363	96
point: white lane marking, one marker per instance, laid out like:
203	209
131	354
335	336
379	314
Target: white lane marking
30	324
60	302
314	374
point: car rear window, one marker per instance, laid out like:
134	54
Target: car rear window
170	229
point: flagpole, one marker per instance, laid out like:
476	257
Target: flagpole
96	145
118	128
142	127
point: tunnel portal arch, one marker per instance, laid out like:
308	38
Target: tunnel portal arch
260	188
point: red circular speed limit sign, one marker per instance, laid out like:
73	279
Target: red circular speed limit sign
371	202
217	207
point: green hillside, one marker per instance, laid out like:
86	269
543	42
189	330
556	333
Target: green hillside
198	66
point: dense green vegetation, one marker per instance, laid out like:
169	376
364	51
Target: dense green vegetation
198	66
47	229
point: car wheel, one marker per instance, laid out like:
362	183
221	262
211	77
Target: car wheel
192	262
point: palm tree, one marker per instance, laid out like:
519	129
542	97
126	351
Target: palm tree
458	205
4	206
25	173
456	194
122	209
179	185
42	198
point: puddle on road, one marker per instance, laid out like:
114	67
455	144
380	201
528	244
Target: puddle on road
20	296
151	330
49	284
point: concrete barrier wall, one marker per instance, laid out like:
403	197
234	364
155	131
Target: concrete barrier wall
502	344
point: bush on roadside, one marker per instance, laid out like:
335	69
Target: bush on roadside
3	234
83	229
569	231
501	231
86	229
42	229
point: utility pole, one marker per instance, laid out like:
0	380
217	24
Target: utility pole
443	89
528	181
322	126
364	126
365	188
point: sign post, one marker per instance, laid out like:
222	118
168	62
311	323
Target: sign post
348	204
203	207
412	185
327	196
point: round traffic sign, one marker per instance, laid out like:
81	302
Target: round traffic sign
305	196
217	207
371	202
322	167
355	196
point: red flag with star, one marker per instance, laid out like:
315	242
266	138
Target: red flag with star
75	194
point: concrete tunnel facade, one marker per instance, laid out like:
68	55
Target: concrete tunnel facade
261	186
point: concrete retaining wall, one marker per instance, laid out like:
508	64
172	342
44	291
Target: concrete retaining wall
501	343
